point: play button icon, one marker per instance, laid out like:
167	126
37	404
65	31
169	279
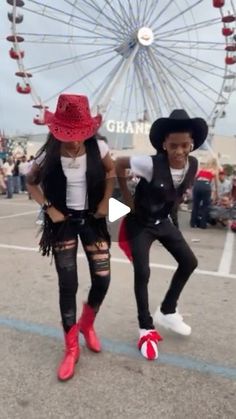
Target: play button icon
116	210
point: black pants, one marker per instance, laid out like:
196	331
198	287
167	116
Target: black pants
141	238
201	203
23	183
65	251
174	214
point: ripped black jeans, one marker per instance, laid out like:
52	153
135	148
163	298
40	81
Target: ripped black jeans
96	248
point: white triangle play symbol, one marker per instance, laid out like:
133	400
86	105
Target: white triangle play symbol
116	210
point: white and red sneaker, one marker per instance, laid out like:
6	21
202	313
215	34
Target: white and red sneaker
148	343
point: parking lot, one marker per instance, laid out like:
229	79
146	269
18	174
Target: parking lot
193	377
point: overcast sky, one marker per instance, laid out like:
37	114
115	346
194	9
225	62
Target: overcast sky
16	110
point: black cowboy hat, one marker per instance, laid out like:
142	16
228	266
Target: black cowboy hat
178	121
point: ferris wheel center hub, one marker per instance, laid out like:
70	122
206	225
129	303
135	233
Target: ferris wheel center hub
145	36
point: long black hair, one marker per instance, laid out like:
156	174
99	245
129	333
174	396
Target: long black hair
50	153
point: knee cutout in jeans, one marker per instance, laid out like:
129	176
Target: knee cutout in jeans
65	257
101	266
99	256
68	244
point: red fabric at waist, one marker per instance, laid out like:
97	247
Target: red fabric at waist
206	174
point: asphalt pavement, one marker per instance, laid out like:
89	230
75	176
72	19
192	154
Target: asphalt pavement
193	377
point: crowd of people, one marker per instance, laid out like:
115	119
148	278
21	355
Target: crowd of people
13	171
72	179
213	196
211	199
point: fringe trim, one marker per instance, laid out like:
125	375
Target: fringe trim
47	239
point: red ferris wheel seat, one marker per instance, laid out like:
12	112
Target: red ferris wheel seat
18	18
23	74
38	121
40	106
15	38
230	76
23	89
15	55
18	3
228	19
227	31
230	60
218	3
230	48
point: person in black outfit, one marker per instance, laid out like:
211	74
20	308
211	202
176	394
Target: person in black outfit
16	177
164	179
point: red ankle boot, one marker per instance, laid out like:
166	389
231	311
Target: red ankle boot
67	366
85	325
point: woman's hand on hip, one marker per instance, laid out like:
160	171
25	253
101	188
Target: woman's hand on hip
55	215
102	209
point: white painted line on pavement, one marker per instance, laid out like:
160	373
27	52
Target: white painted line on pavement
13	247
127	262
227	255
4	217
21	203
173	268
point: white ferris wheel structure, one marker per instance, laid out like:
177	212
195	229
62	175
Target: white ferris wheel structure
137	60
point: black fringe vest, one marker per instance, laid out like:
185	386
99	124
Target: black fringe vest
154	200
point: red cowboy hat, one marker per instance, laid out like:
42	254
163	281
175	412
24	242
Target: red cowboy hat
72	120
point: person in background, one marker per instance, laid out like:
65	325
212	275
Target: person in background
220	213
223	187
233	190
2	181
76	175
202	193
8	167
23	170
16	177
30	162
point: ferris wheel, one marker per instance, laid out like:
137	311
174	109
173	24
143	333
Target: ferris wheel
136	60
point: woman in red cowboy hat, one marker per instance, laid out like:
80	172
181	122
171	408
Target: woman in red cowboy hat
164	179
72	178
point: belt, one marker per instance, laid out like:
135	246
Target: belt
158	221
203	179
78	213
78	216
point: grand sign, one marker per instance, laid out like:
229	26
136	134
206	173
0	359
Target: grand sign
122	127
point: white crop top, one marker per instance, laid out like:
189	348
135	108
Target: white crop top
76	196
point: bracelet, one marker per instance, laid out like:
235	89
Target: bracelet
45	206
